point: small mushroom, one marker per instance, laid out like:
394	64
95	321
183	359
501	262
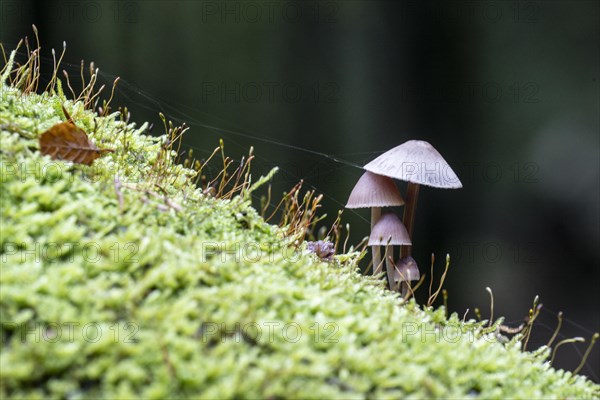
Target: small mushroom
374	191
323	249
418	163
389	231
406	270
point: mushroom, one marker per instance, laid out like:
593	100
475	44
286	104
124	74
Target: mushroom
323	249
389	231
418	163
406	270
374	191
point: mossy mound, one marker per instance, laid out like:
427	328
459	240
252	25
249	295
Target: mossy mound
109	291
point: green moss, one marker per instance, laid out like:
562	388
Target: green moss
137	299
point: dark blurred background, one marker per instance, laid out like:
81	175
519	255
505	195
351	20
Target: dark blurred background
507	91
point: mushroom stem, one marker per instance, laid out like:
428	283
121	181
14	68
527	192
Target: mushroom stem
375	215
410	206
404	289
389	266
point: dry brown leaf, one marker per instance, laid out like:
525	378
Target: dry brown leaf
65	141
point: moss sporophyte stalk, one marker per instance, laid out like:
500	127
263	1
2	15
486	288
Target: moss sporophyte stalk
140	276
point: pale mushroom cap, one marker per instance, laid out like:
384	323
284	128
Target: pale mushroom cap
406	270
374	190
389	230
416	161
